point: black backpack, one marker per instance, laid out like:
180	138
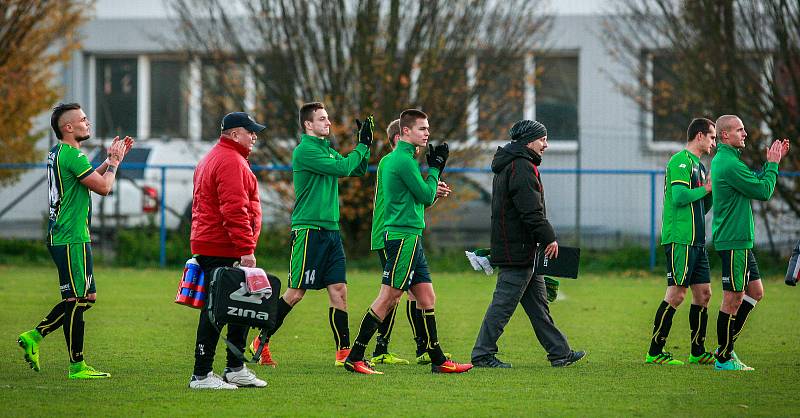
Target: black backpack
229	302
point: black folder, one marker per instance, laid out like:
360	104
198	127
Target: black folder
564	266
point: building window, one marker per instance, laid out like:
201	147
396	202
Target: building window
223	92
675	99
275	96
169	104
450	70
116	97
556	91
670	114
501	94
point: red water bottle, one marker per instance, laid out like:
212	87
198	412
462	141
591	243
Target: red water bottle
187	289
198	299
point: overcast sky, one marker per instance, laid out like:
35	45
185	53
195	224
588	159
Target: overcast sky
156	8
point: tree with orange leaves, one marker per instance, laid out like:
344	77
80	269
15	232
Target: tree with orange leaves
35	36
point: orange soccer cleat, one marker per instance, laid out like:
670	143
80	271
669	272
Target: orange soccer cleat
341	356
362	367
451	366
266	356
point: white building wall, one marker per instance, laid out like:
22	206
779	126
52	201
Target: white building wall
610	133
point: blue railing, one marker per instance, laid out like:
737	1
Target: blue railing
652	174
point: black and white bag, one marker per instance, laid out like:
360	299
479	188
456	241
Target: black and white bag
231	301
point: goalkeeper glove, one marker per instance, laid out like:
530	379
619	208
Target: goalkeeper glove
365	129
479	260
437	156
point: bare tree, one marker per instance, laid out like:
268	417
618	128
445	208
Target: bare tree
714	57
361	57
35	36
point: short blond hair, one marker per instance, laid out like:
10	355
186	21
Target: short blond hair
392	132
724	123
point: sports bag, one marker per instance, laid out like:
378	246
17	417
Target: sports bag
230	301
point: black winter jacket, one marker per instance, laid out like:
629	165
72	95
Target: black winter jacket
519	219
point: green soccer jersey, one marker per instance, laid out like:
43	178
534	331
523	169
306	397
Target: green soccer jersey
405	191
735	185
378	229
685	201
70	202
316	168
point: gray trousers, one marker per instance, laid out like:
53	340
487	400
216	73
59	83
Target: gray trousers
520	286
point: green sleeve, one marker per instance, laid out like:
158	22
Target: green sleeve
80	166
752	185
683	195
362	167
424	191
679	171
317	161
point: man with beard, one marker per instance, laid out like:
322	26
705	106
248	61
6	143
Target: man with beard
519	229
70	178
687	199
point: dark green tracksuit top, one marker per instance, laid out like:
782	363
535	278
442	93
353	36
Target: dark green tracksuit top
733	185
316	168
405	192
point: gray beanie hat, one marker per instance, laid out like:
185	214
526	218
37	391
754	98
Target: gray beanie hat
526	131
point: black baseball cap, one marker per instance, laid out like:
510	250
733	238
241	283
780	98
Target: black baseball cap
241	120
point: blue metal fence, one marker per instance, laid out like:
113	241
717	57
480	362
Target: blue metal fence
163	168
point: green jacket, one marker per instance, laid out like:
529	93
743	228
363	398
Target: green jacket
733	186
316	168
379	207
404	191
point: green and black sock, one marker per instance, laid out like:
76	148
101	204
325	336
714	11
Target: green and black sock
698	319
369	325
283	310
385	333
53	320
748	304
417	322
340	328
433	348
725	330
661	326
74	327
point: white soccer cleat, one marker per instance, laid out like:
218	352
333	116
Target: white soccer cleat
244	378
211	381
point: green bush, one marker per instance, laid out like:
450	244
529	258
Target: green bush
19	251
140	248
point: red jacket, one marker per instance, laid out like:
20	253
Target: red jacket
226	210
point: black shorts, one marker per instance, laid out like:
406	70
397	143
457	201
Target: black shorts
317	260
418	279
739	268
687	265
405	261
74	264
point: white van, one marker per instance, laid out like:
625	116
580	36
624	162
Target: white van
135	199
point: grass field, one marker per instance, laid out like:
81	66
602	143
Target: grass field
146	341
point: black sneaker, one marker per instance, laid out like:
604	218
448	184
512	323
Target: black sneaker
490	361
573	357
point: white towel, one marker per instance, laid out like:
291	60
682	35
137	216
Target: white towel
257	281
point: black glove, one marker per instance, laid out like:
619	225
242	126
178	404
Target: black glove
364	130
437	156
